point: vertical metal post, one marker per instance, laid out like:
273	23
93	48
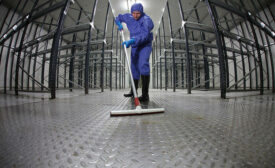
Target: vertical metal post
255	65
235	70
24	57
73	50
188	60
123	71
20	47
266	58
44	58
182	73
6	65
173	77
30	58
160	67
165	57
36	51
213	70
243	64
120	60
269	48
55	48
242	53
57	72
205	60
34	61
191	62
80	72
183	19
220	49
102	54
270	51
116	55
10	44
234	54
224	48
226	60
259	57
65	71
111	60
192	67
3	23
206	64
173	67
87	57
153	64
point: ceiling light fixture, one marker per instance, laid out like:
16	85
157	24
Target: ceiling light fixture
182	24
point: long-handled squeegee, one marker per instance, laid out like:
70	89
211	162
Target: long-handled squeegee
138	110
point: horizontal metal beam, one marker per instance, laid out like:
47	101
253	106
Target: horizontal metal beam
198	26
83	54
206	44
247	16
193	59
15	28
210	45
68	30
194	52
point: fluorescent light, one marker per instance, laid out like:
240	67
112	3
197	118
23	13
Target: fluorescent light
262	24
183	23
14	27
92	24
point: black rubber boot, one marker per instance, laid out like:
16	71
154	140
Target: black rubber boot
145	88
131	94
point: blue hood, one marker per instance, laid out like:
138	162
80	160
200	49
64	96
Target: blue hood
137	7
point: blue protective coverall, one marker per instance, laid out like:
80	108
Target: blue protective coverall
140	30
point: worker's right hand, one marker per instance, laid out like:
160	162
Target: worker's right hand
120	27
128	43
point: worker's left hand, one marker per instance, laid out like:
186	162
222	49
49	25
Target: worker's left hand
129	42
120	27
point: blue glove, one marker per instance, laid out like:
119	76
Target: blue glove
120	27
129	42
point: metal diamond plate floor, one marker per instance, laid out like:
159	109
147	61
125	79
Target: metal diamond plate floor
76	131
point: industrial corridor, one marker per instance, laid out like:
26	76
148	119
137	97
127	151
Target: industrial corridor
205	66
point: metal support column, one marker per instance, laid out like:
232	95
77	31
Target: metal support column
268	46
27	21
220	49
102	54
73	50
10	43
160	67
188	61
44	57
173	48
243	65
259	57
165	57
87	56
55	48
111	60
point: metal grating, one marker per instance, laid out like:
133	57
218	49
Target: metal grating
198	130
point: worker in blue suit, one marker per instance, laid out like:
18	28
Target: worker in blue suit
140	26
